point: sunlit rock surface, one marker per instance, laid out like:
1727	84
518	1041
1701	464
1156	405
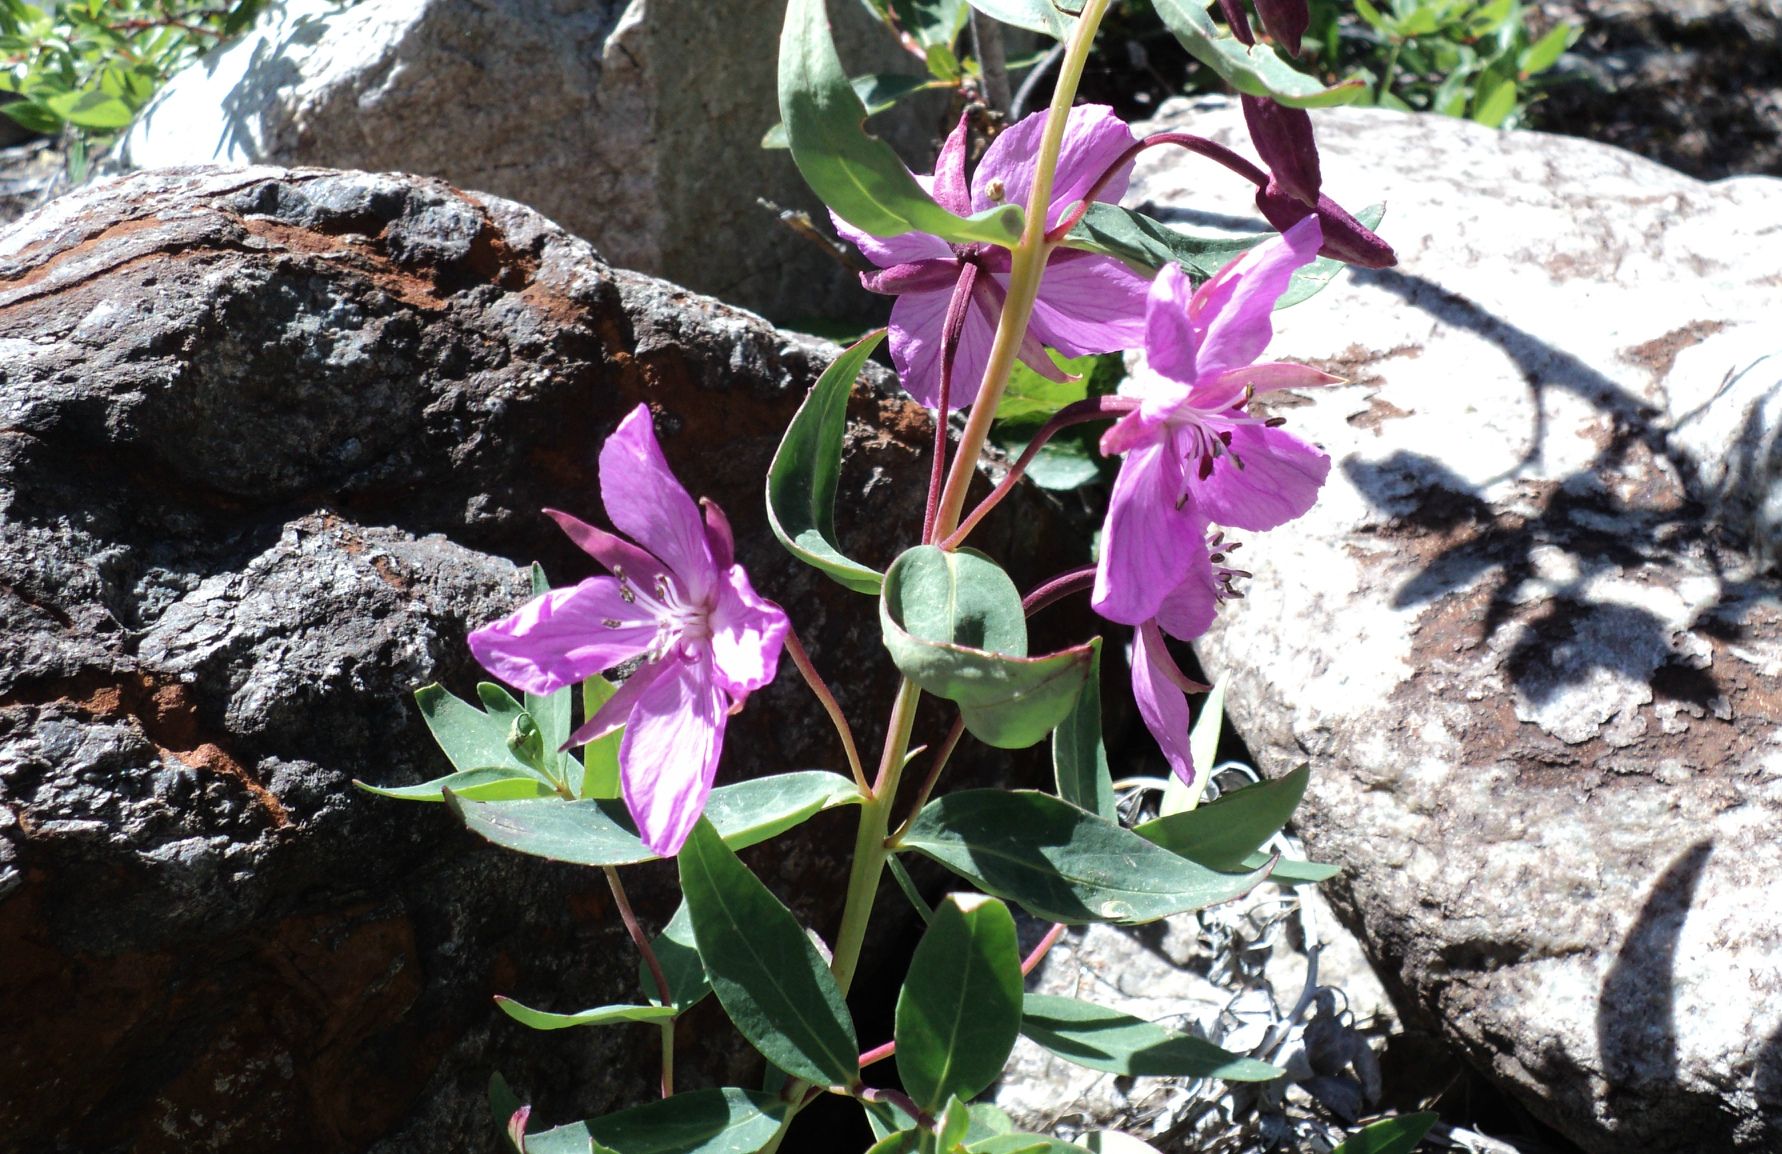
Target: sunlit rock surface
1529	639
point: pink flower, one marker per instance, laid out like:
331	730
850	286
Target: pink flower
1196	456
680	602
1087	303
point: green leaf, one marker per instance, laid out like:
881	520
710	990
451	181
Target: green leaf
727	1121
1545	52
1255	70
806	469
1494	101
601	832
1398	1135
600	759
1062	863
91	109
1042	16
1104	1039
598	1016
857	175
34	116
492	783
953	624
678	955
469	737
1147	245
771	980
1223	834
908	885
1079	759
900	1142
877	91
1022	1144
955	1120
751	812
1289	871
590	833
503	1104
932	22
959	1011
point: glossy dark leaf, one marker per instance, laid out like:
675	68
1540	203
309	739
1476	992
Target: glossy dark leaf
771	980
1104	1039
802	480
959	1010
1063	863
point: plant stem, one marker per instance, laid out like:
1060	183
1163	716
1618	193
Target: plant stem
642	942
934	771
1040	951
1080	412
1027	265
812	678
869	843
868	866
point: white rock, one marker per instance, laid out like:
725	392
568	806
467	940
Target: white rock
1528	639
635	125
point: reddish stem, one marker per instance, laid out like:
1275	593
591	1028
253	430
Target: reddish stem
795	649
1082	412
877	1054
1058	588
1040	951
955	324
1200	144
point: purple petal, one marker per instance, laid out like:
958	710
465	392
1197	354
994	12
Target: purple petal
563	636
1148	542
647	504
1278	480
616	554
1283	138
616	712
748	631
1270	376
1147	424
1345	238
885	251
670	753
1094	139
917	320
916	323
718	536
1189	609
1162	705
948	186
922	276
1172	340
1089	304
1232	311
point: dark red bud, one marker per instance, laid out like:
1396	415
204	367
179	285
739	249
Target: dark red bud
1286	21
1283	138
1345	238
1238	19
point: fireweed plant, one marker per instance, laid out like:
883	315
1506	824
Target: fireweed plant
1030	251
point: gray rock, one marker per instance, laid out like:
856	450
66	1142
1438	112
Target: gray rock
271	442
635	125
1529	638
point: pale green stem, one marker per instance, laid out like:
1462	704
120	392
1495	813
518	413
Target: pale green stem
868	867
1027	264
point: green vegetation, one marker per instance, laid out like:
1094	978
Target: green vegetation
85	68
